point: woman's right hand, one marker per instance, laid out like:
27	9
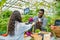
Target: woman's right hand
33	23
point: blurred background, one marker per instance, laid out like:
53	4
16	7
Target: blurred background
27	9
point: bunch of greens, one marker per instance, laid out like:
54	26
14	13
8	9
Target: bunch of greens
4	18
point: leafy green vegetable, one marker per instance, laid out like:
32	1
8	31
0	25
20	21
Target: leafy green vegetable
4	21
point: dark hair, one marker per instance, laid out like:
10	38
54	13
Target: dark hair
16	16
42	10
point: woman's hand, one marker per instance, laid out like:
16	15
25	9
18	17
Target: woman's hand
33	23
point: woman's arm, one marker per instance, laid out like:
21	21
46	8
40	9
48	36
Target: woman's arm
24	27
27	27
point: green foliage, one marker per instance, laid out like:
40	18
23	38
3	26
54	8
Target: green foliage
32	13
50	21
57	0
57	9
4	21
6	14
2	2
25	18
48	29
37	30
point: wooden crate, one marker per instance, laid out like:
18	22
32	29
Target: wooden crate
36	36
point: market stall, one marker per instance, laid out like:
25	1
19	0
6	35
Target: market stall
40	36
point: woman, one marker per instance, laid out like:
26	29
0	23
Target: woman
16	28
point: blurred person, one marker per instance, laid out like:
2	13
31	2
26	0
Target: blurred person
42	18
16	27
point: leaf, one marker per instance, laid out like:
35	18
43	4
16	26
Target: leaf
41	3
2	2
4	21
27	4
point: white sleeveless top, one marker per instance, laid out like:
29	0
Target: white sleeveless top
20	28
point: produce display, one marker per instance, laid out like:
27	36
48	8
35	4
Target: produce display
37	31
28	33
5	15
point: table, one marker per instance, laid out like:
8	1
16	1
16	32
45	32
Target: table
39	37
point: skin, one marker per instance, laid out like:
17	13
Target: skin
40	14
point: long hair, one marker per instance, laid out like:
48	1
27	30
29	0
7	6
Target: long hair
16	16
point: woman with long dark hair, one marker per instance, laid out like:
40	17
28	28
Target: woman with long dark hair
16	28
15	17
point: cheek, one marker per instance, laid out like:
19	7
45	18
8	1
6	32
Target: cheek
41	14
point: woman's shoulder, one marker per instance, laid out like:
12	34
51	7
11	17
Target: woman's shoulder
16	22
24	24
21	23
